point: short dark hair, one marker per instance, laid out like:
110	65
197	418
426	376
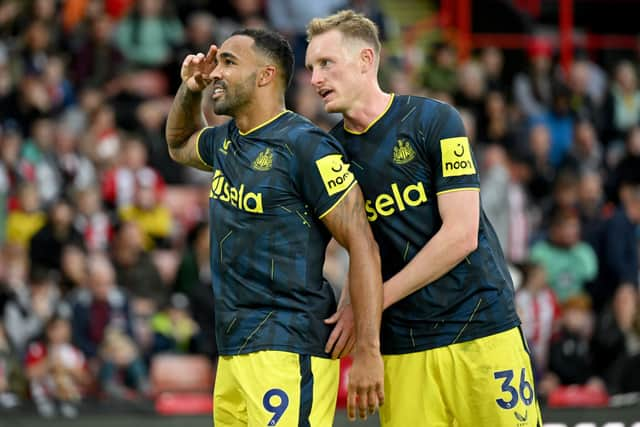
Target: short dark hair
273	45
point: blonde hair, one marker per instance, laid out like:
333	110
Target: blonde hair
351	24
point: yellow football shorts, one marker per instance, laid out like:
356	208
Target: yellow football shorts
484	382
275	388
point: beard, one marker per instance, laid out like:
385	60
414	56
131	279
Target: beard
234	97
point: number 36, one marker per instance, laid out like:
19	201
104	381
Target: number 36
525	391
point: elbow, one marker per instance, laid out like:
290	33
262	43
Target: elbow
471	243
172	154
468	243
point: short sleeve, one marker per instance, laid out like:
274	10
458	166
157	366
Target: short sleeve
321	170
205	145
452	160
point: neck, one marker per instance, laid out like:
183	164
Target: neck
258	112
368	107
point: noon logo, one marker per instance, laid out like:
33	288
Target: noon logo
456	157
264	161
335	173
403	152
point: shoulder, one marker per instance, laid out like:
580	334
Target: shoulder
428	115
306	136
424	105
209	133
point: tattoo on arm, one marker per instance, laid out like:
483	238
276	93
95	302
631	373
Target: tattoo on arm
185	117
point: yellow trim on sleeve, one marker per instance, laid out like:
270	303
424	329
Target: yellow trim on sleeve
355	132
263	124
453	190
198	146
339	200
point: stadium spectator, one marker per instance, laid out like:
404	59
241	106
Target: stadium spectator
617	248
173	328
28	219
532	88
492	60
119	183
611	340
26	314
439	74
496	126
622	108
592	206
103	330
586	151
91	221
569	262
540	313
628	167
571	355
97	62
73	277
57	370
146	36
135	270
543	174
153	218
45	249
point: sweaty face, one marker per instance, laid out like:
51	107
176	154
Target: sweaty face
334	68
234	78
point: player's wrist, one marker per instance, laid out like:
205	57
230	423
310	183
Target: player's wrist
368	347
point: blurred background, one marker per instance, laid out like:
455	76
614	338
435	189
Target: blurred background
106	311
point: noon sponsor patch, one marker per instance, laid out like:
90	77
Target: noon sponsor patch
456	157
335	173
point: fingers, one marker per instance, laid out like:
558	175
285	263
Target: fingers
373	402
201	80
339	348
211	55
351	404
380	393
335	334
363	403
349	347
333	319
198	59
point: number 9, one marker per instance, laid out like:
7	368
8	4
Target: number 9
278	410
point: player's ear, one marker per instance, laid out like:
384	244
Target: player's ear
266	75
367	59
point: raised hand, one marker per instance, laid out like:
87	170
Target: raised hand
196	69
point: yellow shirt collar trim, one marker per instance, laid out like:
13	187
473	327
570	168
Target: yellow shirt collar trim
355	132
263	124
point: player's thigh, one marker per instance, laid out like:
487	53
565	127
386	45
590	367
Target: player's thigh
289	390
491	381
229	405
412	396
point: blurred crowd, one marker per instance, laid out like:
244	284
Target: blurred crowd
104	240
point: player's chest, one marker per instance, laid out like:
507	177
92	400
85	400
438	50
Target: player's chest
252	179
392	159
